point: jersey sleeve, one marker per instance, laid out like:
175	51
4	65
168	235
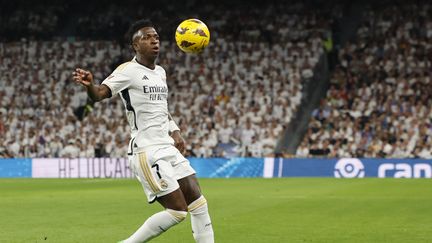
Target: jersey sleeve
117	81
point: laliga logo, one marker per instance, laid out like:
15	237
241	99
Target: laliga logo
349	168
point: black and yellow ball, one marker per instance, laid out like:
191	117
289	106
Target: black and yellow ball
192	36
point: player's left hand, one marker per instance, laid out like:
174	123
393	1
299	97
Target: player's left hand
179	142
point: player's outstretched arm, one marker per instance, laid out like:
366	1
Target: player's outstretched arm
95	92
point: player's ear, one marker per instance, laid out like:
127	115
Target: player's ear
134	46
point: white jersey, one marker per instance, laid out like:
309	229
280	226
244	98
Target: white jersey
144	93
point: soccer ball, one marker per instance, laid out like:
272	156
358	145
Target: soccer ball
192	36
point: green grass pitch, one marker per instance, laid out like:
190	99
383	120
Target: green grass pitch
242	210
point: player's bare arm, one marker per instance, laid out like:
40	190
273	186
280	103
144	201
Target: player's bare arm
95	92
179	142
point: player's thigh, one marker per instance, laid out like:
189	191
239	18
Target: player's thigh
190	187
174	200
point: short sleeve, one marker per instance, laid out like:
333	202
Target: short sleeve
117	82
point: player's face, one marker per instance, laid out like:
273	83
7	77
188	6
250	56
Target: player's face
146	42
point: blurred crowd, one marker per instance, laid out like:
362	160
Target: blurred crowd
379	103
237	97
232	100
39	101
275	21
244	100
30	19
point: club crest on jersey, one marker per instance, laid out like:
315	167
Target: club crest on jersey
163	184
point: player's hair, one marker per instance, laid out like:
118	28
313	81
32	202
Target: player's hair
135	27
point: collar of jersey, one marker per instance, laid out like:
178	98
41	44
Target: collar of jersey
135	61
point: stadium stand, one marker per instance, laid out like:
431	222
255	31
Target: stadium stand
379	100
235	99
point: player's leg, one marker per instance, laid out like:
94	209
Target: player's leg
197	205
174	213
159	183
190	187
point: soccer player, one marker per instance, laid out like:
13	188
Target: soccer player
154	155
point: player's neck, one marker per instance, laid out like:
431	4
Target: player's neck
148	63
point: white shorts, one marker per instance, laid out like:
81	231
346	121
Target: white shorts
158	169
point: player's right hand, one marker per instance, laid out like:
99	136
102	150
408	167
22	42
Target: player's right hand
83	77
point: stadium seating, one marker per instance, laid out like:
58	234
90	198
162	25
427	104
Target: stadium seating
379	101
234	99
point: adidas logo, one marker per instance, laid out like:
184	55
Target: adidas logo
145	78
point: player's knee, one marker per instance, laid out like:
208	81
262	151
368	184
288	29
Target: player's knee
177	215
198	206
178	206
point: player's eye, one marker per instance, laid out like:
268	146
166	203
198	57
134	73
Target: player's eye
148	37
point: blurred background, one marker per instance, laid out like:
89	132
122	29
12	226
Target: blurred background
279	79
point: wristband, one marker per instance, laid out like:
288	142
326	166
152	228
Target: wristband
173	126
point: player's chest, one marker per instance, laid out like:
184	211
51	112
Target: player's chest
150	87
